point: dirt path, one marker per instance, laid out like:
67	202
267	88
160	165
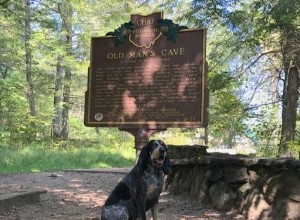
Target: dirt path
80	195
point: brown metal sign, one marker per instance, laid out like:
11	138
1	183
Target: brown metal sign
148	80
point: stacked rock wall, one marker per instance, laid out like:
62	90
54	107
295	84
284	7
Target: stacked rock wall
259	188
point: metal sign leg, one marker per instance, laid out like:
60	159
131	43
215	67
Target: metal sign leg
141	136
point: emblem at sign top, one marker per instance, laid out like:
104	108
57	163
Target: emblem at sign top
145	31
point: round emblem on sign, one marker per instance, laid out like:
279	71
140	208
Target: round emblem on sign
98	117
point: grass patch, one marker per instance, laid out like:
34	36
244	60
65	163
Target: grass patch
50	157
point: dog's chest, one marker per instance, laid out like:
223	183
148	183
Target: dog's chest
153	182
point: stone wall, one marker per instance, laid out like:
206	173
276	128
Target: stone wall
259	188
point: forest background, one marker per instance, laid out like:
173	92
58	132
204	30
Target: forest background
253	54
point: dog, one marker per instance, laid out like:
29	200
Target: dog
139	190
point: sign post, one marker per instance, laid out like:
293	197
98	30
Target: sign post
148	76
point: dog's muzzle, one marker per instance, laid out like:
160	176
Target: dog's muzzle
161	159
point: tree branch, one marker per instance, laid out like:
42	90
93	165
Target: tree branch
260	56
258	106
216	9
140	5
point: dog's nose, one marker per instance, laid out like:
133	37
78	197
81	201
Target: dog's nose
162	151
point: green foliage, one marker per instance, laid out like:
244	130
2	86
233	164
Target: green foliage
295	148
48	157
105	136
176	136
268	132
226	117
285	13
16	125
219	82
14	120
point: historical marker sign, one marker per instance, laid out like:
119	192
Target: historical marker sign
148	80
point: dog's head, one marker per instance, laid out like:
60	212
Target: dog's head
155	153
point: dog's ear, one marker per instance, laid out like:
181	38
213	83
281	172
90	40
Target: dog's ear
144	156
166	167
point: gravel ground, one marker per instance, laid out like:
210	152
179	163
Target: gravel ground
80	195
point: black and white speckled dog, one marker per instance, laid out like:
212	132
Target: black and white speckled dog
139	190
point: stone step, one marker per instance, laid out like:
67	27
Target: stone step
8	200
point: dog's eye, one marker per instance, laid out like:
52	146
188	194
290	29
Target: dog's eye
161	143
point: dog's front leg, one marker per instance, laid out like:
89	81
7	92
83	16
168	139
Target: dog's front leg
141	215
154	211
141	204
141	212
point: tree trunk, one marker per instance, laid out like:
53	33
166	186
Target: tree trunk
28	59
66	12
66	105
206	133
4	71
57	120
290	97
229	141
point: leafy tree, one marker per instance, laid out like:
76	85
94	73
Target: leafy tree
286	20
15	54
266	37
226	111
